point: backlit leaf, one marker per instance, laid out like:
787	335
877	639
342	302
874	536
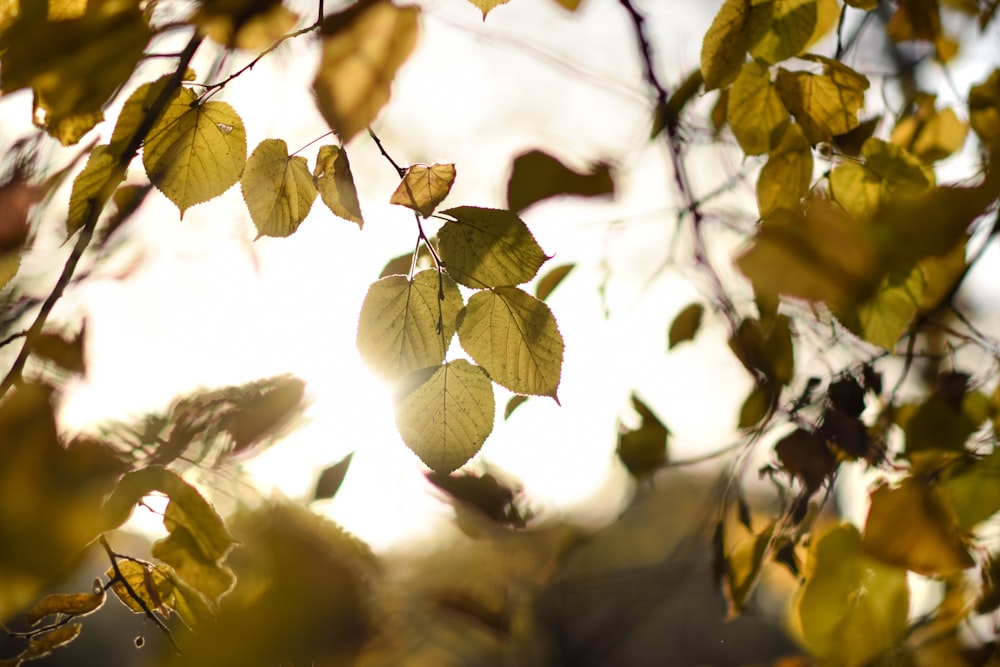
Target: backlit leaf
363	47
67	354
784	181
41	645
984	108
536	176
685	325
886	315
724	48
68	604
552	280
514	337
643	450
335	183
195	152
446	419
68	129
513	404
971	492
781	29
931	136
195	565
149	583
331	478
255	30
87	185
744	564
487	247
488	495
10	262
755	112
424	187
941	423
852	607
824	104
888	170
277	189
486	6
404	324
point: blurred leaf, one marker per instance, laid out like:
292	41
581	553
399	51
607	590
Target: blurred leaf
827	104
930	134
261	410
514	337
68	604
765	348
984	108
335	183
850	142
569	5
685	325
755	112
884	317
784	181
487	247
446	419
756	406
17	198
186	554
278	189
405	325
150	583
486	6
970	491
852	607
744	564
485	493
424	187
908	527
667	116
127	200
724	48
536	176
847	395
513	404
195	152
87	185
781	29
331	478
720	111
804	455
254	26
938	424
551	280
67	354
864	5
39	646
643	450
401	265
363	47
888	170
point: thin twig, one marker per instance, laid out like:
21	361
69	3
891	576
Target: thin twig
14	336
378	142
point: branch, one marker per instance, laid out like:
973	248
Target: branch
378	142
96	206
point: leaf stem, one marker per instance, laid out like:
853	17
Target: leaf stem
378	142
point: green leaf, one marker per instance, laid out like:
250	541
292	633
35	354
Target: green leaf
755	113
423	187
552	280
332	177
852	607
446	419
907	526
643	450
406	325
68	604
514	337
513	404
87	186
827	104
363	47
487	247
331	478
785	179
277	189
150	583
536	176
724	48
195	152
780	29
685	325
970	491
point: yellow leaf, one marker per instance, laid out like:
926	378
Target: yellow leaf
485	6
87	185
984	108
335	183
724	48
398	329
424	187
852	607
487	247
932	138
133	112
195	567
824	104
908	527
255	30
446	419
786	177
363	47
41	645
941	273
754	111
551	280
149	583
277	189
744	564
970	491
195	152
569	5
888	170
514	337
67	129
536	176
780	29
887	315
685	325
643	450
69	604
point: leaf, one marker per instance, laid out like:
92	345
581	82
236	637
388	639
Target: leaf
864	5
931	135
643	451
363	47
744	564
66	354
970	491
332	177
536	176
185	552
406	325
277	189
852	607
552	280
331	478
984	108
9	264
401	265
195	152
804	455
485	493
827	104
446	420
785	179
724	47
940	424
908	527
513	404
514	337
886	315
685	325
569	5
87	186
755	113
149	583
780	29
757	406
487	247
68	604
246	28
424	187
765	348
41	645
486	6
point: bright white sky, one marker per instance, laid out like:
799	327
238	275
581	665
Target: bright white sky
206	306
